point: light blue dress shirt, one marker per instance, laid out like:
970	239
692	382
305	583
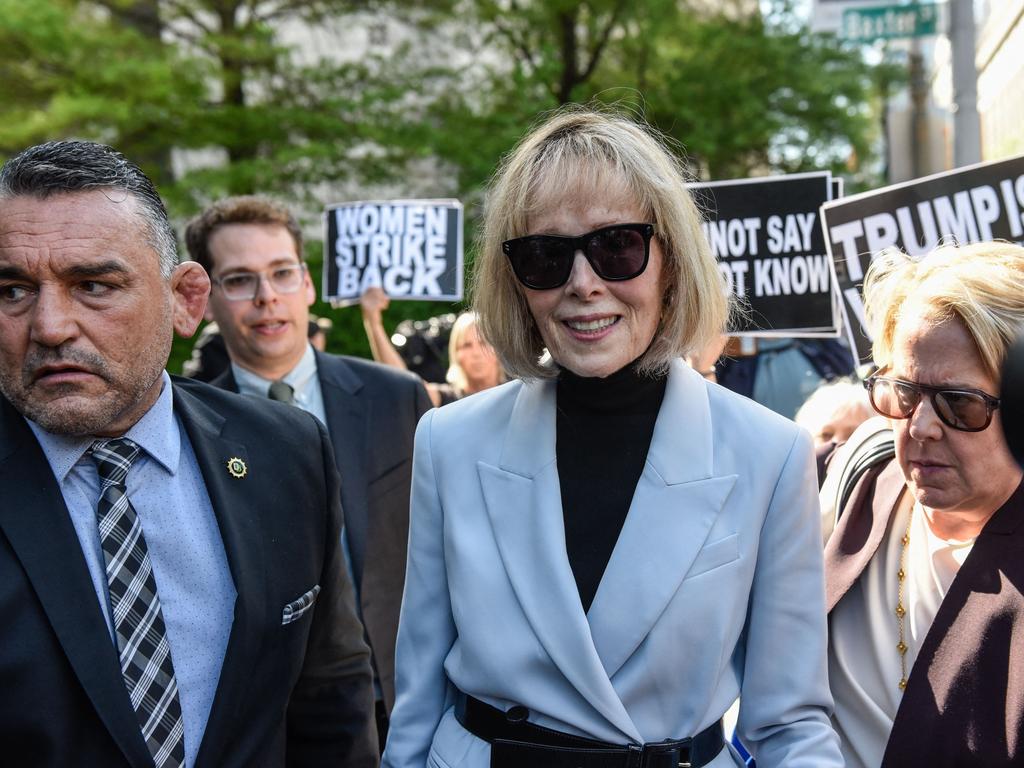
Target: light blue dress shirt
302	378
197	593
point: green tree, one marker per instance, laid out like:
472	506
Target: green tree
742	92
149	76
747	94
74	69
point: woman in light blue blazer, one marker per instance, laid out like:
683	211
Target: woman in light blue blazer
607	551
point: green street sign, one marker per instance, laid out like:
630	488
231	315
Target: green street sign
889	21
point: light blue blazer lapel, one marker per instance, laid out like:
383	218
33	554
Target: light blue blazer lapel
676	502
524	504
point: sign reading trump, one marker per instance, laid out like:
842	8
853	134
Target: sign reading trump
966	205
412	249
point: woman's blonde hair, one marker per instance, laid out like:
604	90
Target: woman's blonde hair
456	376
981	285
575	154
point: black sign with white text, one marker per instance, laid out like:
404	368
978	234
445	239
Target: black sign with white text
771	251
968	205
410	248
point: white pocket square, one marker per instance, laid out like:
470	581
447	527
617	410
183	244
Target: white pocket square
296	608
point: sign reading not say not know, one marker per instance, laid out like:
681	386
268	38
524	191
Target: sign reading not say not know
410	248
771	251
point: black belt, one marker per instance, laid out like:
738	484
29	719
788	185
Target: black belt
516	742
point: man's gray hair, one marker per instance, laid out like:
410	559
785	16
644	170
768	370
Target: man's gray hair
73	166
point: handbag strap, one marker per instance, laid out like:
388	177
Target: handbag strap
878	446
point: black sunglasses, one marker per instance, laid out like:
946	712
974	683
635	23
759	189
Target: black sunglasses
969	410
618	252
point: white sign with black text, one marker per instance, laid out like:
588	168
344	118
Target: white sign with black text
412	249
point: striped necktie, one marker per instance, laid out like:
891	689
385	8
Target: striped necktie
138	621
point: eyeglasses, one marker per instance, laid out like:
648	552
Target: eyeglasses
618	252
968	410
244	286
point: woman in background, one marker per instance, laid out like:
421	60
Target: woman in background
472	364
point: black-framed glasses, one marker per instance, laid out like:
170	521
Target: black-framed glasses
968	410
244	286
618	252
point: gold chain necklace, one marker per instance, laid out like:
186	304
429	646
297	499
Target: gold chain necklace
901	612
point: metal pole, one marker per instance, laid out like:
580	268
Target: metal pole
966	123
919	138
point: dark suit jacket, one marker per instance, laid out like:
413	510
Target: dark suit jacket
964	702
297	694
372	411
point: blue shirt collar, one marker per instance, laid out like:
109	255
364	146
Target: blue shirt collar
299	377
157	433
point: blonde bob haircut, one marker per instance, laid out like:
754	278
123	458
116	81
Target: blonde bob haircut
456	376
981	285
575	155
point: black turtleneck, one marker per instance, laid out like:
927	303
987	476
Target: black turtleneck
603	431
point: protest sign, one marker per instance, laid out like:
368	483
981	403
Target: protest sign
410	248
771	251
967	205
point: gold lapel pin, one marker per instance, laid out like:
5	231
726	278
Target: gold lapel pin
236	467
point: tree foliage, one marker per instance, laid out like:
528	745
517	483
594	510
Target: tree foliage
70	69
740	92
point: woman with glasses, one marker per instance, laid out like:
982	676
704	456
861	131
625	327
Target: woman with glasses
925	568
606	551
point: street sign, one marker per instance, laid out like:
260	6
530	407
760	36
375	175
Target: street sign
890	21
827	15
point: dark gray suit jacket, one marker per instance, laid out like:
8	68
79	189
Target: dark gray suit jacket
372	411
297	694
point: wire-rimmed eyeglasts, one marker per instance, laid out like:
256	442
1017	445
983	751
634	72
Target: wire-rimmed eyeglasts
968	410
617	252
244	286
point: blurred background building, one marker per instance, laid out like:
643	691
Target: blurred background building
921	119
999	59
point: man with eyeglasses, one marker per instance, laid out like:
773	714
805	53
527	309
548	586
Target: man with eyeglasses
260	299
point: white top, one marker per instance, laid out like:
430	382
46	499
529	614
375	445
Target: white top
863	663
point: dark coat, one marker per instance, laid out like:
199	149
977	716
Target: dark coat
964	701
372	411
297	694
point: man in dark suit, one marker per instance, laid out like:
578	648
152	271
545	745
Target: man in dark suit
252	247
171	584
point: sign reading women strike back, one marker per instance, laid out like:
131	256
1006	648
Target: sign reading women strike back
410	248
771	251
968	205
